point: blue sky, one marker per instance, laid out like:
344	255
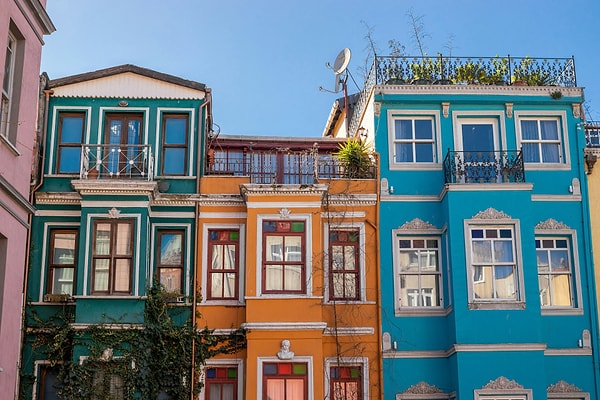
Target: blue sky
265	59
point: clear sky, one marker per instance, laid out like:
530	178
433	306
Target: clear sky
265	59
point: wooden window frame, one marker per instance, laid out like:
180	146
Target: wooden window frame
181	265
334	379
52	265
304	377
209	265
111	256
343	271
165	146
209	381
283	263
62	145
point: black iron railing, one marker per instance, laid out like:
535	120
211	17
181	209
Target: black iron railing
109	161
592	133
484	167
279	166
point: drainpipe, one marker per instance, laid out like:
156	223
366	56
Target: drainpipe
589	258
204	128
47	94
378	281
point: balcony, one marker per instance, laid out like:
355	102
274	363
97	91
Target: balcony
444	70
279	166
464	167
109	161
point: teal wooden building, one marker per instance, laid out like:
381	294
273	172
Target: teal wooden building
487	281
116	203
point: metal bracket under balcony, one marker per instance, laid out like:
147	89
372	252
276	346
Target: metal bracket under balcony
110	161
484	167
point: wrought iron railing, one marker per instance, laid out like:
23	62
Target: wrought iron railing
278	166
592	133
440	69
484	167
109	161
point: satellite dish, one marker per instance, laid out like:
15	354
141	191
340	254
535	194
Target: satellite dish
341	61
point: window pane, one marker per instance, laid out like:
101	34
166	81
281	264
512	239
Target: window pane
404	152
542	261
229	256
529	130
403	129
217	257
503	251
423	129
409	291
216	284
274	246
101	271
560	260
274	279
293	277
293	248
123	239
276	389
122	273
531	152
424	152
64	248
102	245
483	282
482	251
349	258
550	152
294	389
337	257
350	283
561	290
62	281
505	283
544	284
409	261
170	278
69	159
175	130
174	162
549	130
170	249
72	128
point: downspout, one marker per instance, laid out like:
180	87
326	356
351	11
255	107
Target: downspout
378	282
589	255
204	128
47	94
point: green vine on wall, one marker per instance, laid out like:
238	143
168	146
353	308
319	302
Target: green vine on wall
147	361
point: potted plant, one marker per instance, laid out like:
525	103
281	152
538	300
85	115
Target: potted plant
471	72
499	71
522	72
423	71
354	157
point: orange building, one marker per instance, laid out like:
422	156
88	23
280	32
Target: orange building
289	252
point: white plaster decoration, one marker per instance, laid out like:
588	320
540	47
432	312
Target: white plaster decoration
562	387
551	224
377	108
509	109
491	213
284	352
386	341
576	110
445	109
422	388
284	213
502	383
107	354
576	187
114	213
385	187
417	224
587	339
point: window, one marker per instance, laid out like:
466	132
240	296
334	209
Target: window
554	272
414	140
174	144
419	272
493	263
283	257
221	383
345	383
70	131
9	104
107	385
112	257
63	248
344	273
223	264
170	259
124	154
285	381
49	384
540	139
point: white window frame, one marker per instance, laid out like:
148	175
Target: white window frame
37	372
434	116
204	262
191	112
362	362
570	235
563	133
361	259
225	362
54	133
306	218
187	269
9	108
301	359
499	222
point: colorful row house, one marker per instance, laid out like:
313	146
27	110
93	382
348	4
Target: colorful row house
116	207
487	278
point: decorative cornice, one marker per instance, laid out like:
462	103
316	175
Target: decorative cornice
551	224
422	388
417	224
57	198
349	331
285	326
283	190
352	199
221	200
491	213
562	387
477	89
502	383
116	187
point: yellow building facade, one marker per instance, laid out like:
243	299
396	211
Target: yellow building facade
291	256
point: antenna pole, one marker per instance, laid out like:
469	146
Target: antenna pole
345	88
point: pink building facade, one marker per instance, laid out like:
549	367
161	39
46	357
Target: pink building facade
23	24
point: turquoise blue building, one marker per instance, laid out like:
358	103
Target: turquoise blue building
116	209
487	281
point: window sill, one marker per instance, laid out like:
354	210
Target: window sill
497	305
561	311
341	302
423	312
547	166
229	303
416	167
10	146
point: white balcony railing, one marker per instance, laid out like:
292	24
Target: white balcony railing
109	161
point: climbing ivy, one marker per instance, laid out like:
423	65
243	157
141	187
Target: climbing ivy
152	360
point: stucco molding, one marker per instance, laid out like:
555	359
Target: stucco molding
57	198
417	224
221	200
285	326
551	224
502	383
349	331
476	89
285	190
491	213
562	387
422	388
